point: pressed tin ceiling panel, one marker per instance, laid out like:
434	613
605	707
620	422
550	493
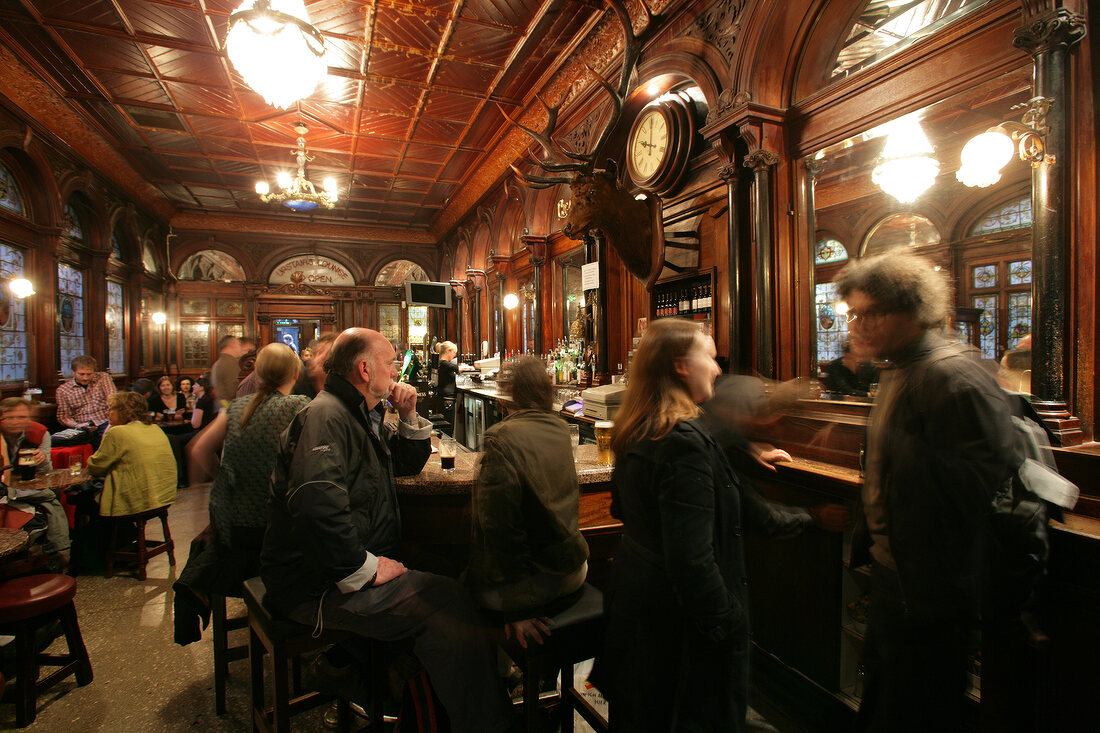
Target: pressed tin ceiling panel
402	121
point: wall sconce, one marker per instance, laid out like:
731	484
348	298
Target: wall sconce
511	301
986	154
21	287
159	318
906	168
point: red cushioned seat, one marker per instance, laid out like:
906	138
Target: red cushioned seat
34	595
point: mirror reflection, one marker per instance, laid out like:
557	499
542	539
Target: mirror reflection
898	185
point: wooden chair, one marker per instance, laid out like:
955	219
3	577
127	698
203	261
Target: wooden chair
286	641
26	605
143	549
575	636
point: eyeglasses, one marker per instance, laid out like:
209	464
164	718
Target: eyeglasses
869	317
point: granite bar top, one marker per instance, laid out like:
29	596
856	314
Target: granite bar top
434	480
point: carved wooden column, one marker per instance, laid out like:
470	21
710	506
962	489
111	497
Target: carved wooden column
460	294
475	284
730	174
761	161
595	250
96	302
498	281
1049	38
537	247
813	168
41	309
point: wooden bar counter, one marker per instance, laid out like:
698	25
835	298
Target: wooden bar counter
435	506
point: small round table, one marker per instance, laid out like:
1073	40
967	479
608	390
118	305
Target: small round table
12	541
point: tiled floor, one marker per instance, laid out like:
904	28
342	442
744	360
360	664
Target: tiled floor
144	682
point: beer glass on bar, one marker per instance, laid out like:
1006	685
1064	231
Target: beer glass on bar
448	449
603	442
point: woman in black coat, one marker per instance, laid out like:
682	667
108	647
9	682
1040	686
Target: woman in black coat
676	655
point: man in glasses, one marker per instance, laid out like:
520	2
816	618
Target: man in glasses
939	446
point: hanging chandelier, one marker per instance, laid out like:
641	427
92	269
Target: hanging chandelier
906	168
274	47
298	193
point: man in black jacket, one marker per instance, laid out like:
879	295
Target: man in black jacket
334	525
939	447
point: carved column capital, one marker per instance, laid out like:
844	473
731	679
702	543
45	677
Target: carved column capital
761	159
459	288
1060	28
814	167
728	173
475	279
536	246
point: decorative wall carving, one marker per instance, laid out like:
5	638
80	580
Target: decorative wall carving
1059	28
719	26
727	101
761	159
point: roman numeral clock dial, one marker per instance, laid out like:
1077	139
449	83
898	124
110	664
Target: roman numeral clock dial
657	149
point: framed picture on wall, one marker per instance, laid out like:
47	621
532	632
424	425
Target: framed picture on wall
230	307
194	307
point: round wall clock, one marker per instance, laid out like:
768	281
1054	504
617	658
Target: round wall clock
659	145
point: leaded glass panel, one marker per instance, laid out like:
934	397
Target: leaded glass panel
11	197
1019	272
116	344
195	341
389	321
1016	215
13	320
987	324
832	329
962	332
116	246
829	250
71	224
418	325
985	276
1019	317
70	311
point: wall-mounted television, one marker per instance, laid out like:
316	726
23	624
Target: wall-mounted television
436	295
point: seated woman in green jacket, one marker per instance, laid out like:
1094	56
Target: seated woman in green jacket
135	459
526	549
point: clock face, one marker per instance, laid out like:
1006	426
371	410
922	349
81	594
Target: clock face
649	143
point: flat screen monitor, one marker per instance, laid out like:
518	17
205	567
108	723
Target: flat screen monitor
436	295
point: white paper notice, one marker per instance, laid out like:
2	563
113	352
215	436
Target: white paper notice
590	276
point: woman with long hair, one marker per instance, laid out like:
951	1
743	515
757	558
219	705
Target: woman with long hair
165	400
676	654
238	498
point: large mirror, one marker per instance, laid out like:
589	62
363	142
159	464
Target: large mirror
572	296
979	235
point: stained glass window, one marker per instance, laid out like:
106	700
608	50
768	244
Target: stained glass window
116	246
987	324
11	197
70	312
1019	317
985	276
418	324
148	259
832	329
13	320
1016	215
389	321
1019	272
962	331
195	342
116	344
71	225
829	250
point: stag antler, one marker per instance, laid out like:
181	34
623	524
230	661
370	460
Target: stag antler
584	163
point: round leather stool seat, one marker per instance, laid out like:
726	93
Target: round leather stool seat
34	595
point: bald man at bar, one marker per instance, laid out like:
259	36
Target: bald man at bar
334	525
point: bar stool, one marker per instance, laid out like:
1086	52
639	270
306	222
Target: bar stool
576	635
223	653
144	549
26	605
286	641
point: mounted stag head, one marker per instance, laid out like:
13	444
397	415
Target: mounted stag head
600	202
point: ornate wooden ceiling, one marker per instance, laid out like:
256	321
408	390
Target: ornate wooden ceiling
405	119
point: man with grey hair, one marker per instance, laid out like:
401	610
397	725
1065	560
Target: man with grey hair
939	447
334	526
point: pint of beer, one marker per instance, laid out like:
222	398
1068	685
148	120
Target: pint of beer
603	442
26	464
448	449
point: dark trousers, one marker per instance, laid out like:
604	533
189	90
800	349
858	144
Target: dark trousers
449	638
915	666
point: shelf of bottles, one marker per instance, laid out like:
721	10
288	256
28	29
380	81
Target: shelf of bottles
568	362
686	296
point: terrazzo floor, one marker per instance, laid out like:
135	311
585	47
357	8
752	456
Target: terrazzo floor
144	682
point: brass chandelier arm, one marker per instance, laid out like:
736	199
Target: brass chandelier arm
263	9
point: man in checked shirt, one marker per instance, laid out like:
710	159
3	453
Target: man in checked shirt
82	402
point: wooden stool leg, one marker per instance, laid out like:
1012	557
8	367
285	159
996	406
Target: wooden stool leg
112	547
27	675
280	667
256	673
75	642
168	539
531	685
142	558
221	647
565	704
